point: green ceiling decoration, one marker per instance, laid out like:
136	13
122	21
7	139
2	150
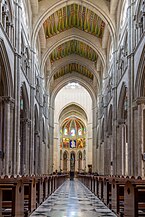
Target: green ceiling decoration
73	47
73	67
74	16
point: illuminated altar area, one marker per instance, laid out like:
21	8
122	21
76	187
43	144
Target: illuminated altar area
72	145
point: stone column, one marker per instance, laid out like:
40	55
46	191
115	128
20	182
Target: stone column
26	144
114	113
7	133
119	150
140	143
1	135
94	140
16	122
131	153
32	133
36	154
51	130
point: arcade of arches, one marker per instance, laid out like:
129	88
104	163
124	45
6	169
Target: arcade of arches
72	87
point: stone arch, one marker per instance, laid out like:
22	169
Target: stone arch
6	111
5	71
74	107
24	101
122	107
122	131
88	40
140	78
92	6
78	60
88	87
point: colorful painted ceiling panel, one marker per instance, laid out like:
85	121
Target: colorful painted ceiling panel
73	47
73	67
74	16
73	122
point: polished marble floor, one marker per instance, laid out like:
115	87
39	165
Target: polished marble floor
72	199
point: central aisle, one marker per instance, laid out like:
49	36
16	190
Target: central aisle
72	199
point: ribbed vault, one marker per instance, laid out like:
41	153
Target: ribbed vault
74	37
77	16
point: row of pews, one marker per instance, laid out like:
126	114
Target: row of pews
125	196
20	196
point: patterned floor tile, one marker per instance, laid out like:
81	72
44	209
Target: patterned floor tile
72	199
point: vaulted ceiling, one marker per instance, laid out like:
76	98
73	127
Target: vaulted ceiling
76	16
74	38
73	47
73	67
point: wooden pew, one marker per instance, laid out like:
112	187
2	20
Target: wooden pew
134	198
11	197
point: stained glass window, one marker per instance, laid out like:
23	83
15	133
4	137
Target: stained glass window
73	132
80	132
65	131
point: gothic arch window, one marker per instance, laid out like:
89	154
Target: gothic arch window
73	133
140	20
7	21
25	59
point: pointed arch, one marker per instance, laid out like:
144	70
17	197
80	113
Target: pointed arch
123	103
5	71
140	78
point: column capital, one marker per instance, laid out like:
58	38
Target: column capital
7	99
139	100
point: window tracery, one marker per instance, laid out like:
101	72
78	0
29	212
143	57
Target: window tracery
7	21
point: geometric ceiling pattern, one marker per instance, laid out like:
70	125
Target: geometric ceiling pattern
73	122
73	47
76	16
73	67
